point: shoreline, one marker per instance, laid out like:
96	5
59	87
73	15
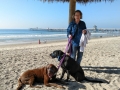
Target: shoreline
31	45
17	37
42	44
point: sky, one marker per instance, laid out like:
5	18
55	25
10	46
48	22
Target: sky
24	14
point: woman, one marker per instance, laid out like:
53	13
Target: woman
74	31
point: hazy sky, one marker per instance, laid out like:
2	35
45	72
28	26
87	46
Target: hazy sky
34	13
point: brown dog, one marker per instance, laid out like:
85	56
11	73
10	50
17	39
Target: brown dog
39	75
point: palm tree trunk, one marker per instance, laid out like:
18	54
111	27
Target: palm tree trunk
72	7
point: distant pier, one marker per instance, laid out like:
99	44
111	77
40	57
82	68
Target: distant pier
49	29
95	29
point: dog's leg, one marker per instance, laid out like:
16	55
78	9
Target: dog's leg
58	81
31	81
63	72
68	75
19	84
46	79
79	77
55	85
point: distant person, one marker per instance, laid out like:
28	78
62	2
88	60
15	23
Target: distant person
74	31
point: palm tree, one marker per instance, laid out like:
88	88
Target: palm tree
72	4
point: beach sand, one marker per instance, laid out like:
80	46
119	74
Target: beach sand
101	60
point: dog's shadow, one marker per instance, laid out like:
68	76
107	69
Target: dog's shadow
35	85
109	70
73	85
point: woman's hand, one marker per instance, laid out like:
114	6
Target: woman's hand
70	36
84	31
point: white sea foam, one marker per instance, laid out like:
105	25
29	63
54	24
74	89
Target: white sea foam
30	36
98	33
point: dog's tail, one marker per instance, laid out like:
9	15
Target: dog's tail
19	84
96	81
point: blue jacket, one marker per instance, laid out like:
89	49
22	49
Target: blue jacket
72	30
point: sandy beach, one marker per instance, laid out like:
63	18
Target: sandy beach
101	60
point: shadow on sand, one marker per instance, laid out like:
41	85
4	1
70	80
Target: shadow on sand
109	70
73	85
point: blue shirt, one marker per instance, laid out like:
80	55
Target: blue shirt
76	31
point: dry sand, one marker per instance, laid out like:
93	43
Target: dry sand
101	60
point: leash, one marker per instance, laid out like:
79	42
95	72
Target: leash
67	47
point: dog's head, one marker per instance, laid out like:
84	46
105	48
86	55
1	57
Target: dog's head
51	70
56	54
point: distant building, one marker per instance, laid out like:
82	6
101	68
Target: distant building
95	28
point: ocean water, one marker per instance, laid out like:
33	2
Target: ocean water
17	36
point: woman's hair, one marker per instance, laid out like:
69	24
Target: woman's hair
78	12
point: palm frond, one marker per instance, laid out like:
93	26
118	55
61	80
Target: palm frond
79	1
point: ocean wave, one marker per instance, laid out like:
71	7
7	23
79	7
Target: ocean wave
30	36
36	35
98	33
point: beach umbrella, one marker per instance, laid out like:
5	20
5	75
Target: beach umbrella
72	4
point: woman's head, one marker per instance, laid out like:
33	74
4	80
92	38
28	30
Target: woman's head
77	15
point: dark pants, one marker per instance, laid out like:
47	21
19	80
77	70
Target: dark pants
76	50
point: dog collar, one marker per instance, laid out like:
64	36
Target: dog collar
58	58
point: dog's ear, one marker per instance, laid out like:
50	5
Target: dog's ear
56	69
60	53
48	65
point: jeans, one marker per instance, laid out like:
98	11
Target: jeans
76	50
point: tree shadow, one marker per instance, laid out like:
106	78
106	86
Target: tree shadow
109	70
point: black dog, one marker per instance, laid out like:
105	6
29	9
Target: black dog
71	67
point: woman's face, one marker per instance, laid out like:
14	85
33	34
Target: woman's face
77	16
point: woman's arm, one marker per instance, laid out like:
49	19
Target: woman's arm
69	29
84	30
